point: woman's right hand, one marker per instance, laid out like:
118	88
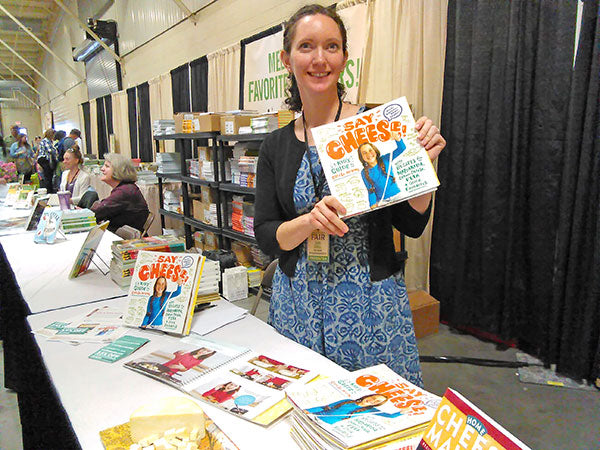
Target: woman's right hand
325	216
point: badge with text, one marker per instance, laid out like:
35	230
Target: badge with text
318	246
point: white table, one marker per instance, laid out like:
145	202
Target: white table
42	271
97	395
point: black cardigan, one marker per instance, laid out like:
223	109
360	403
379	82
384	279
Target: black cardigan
278	163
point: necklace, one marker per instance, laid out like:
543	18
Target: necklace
74	176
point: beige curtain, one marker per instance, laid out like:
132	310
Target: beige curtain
84	136
224	79
121	123
94	127
161	104
404	56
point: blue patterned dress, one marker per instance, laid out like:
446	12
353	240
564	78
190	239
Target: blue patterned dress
334	308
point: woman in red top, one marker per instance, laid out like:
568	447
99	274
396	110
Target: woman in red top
184	361
222	393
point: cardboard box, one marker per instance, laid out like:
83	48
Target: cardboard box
195	122
198	210
426	313
209	195
230	124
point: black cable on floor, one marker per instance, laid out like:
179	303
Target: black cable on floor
475	361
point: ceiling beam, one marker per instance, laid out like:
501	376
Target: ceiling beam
29	13
19	34
32	67
23	80
30	4
44	46
27	98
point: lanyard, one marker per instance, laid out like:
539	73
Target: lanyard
320	183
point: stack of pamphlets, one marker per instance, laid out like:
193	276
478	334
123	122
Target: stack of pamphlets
161	127
125	253
264	124
101	324
168	162
146	177
76	220
209	283
369	408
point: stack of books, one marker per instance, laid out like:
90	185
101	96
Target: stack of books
284	117
264	124
125	254
210	215
369	408
194	168
146	177
254	276
163	126
209	283
259	259
237	213
248	219
207	172
243	165
76	220
168	162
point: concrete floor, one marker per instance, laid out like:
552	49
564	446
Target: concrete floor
543	417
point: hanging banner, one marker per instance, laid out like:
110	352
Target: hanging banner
265	77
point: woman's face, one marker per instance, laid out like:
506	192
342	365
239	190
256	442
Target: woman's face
201	352
230	387
107	172
22	140
69	161
369	155
161	285
316	57
373	400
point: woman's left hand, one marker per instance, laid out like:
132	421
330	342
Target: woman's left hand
430	137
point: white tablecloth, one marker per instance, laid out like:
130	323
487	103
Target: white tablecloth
42	271
98	395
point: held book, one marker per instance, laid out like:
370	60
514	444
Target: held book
88	250
64	200
370	407
373	159
163	291
227	376
458	423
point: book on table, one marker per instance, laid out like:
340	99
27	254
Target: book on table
48	226
458	423
369	408
373	159
163	291
64	200
36	213
233	378
88	250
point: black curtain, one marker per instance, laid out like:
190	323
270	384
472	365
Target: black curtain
180	87
506	88
101	122
87	127
132	116
144	123
574	338
199	83
109	115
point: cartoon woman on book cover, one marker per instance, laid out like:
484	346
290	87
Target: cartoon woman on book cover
158	302
344	409
184	361
377	170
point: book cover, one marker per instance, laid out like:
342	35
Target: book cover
64	200
372	405
458	423
373	159
163	291
88	250
47	227
36	213
230	377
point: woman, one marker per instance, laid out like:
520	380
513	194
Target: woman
22	155
222	392
184	361
46	159
377	173
344	409
74	179
355	309
125	205
157	302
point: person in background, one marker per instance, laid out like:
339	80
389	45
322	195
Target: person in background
125	205
59	139
3	150
12	137
74	178
22	154
70	140
36	143
353	308
45	161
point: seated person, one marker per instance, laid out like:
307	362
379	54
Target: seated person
125	205
74	178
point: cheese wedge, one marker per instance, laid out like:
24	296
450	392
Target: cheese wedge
164	414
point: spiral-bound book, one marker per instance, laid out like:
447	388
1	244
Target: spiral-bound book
233	378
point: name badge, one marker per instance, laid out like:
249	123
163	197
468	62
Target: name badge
318	246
